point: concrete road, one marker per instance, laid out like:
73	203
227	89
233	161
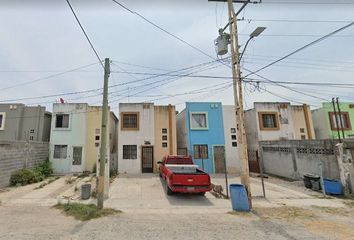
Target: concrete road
145	193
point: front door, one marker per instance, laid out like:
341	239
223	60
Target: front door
219	159
147	158
77	159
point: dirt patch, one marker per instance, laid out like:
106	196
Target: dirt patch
284	213
241	214
331	229
334	211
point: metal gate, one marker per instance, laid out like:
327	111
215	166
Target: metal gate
147	158
253	162
219	159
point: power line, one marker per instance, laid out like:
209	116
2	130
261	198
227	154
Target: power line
47	77
296	20
289	88
308	3
83	30
162	29
301	48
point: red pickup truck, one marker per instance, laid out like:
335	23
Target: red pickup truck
181	175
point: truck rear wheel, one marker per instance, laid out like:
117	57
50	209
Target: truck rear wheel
168	190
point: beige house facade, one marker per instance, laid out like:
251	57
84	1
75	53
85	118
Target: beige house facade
278	121
145	134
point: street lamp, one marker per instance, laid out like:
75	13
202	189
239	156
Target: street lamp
254	34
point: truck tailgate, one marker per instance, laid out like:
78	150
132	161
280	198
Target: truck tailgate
197	179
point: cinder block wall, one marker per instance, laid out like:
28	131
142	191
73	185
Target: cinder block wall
15	155
293	158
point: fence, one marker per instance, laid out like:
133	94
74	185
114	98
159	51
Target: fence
15	155
292	158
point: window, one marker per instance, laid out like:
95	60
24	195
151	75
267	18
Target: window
32	131
199	121
97	138
97	131
60	151
268	120
62	121
233	130
234	144
31	138
303	137
129	152
164	144
97	144
164	138
302	130
343	121
2	121
233	137
164	131
200	151
130	121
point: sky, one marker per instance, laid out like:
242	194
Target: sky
43	51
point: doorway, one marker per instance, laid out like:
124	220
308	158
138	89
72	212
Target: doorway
77	159
147	158
219	159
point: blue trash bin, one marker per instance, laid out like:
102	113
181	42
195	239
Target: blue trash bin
239	199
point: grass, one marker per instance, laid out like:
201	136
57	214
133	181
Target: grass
50	180
85	212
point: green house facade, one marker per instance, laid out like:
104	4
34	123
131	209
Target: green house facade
327	122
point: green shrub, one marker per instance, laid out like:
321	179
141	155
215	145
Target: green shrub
23	177
27	176
45	169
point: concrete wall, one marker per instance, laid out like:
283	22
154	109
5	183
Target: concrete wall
15	154
139	137
299	121
231	153
24	123
251	128
165	117
73	136
320	124
182	131
291	159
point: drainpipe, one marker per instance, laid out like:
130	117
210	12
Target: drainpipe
335	117
340	118
307	121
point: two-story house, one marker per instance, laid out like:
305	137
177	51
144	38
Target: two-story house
201	135
277	121
75	137
330	122
24	123
146	133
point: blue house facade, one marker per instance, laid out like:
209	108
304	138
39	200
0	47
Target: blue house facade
200	133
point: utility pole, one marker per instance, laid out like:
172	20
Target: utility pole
103	147
238	100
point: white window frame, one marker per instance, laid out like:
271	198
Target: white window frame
3	120
199	128
62	128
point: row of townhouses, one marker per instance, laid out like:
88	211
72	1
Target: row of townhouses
146	132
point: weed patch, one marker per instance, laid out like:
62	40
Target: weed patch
85	212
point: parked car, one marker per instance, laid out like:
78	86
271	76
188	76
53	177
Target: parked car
181	175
